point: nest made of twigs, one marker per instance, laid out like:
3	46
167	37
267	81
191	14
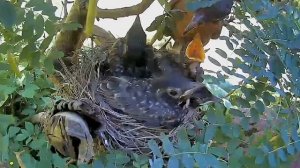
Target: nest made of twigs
121	130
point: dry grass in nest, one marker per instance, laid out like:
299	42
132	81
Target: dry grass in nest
121	130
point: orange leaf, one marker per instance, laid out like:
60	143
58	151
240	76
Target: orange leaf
195	49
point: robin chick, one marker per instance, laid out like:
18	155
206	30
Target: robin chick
138	54
130	56
157	102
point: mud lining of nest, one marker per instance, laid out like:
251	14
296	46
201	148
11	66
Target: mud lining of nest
121	131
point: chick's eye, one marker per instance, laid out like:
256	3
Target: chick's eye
174	92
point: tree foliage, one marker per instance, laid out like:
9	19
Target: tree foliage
256	124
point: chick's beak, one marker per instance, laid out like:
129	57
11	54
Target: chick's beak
197	96
195	49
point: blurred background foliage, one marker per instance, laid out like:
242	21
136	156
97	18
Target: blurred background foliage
256	124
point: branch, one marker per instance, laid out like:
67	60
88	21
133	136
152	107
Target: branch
124	12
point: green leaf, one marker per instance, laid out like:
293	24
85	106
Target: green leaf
38	144
231	130
154	148
4	143
210	133
167	145
28	160
233	145
12	131
48	62
218	151
21	137
157	163
254	115
183	141
236	113
140	160
58	161
44	6
229	44
221	52
50	28
259	158
45	156
268	96
272	159
259	106
187	160
227	103
29	127
245	123
238	153
214	61
8	15
215	116
173	162
46	43
28	26
28	140
216	90
39	27
5	121
30	90
4	66
206	160
28	111
120	158
5	89
242	102
291	149
27	52
249	93
97	164
166	4
282	155
295	135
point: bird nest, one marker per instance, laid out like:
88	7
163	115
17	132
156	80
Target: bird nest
121	130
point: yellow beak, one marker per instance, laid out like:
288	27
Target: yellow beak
195	49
